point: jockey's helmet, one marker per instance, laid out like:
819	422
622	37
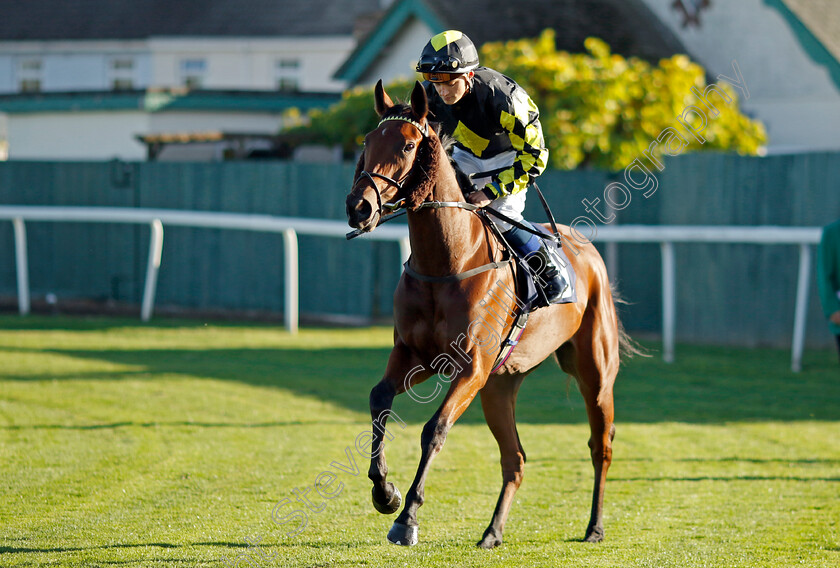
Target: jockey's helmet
447	55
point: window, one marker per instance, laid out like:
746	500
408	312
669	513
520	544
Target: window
193	72
30	75
287	74
121	73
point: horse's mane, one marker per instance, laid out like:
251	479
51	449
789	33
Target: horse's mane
421	179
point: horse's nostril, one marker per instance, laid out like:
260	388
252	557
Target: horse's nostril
363	211
359	212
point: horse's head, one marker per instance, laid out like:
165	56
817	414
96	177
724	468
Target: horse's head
396	166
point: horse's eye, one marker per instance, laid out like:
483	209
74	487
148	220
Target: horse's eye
409	147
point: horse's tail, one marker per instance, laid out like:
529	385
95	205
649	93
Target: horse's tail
627	346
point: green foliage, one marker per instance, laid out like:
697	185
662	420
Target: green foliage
600	109
597	108
346	122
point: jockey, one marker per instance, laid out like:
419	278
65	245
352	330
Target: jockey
497	131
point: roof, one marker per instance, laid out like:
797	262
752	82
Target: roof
139	19
822	17
156	100
816	24
628	26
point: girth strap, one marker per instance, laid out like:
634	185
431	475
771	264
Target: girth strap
456	277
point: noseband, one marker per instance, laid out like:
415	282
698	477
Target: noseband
388	206
391	207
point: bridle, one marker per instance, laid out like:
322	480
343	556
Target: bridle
390	207
397	208
397	205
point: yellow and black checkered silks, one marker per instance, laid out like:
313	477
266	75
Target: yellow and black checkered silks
496	116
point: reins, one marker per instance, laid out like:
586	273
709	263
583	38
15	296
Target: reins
399	210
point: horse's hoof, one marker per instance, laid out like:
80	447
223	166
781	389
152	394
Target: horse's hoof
393	503
594	534
490	540
403	535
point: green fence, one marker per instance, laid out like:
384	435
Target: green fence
727	293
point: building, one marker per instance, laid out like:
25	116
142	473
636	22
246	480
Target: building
133	79
392	47
789	54
83	79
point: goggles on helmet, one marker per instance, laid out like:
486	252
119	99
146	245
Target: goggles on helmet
440	77
440	70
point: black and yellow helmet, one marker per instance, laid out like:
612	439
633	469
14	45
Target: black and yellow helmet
448	54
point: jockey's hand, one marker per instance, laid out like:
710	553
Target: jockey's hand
479	198
835	317
482	197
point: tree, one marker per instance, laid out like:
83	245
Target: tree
597	108
600	109
346	122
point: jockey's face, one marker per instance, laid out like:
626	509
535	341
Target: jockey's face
452	91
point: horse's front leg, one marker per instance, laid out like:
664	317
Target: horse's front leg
461	393
402	367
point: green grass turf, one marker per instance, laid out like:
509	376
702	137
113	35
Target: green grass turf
169	444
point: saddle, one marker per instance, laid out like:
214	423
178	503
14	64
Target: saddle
529	292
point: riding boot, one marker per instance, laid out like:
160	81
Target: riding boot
532	248
548	274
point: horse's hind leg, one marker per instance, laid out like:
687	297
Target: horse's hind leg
602	431
592	358
498	400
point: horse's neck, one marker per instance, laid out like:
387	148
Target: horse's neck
444	240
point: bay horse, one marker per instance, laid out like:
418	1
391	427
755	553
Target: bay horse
440	297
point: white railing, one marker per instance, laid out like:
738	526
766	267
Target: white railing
667	235
664	235
289	227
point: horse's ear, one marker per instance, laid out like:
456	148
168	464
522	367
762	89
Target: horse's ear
382	101
419	101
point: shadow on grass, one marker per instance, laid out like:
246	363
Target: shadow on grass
786	461
705	385
81	323
140	561
726	478
25	550
159	424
